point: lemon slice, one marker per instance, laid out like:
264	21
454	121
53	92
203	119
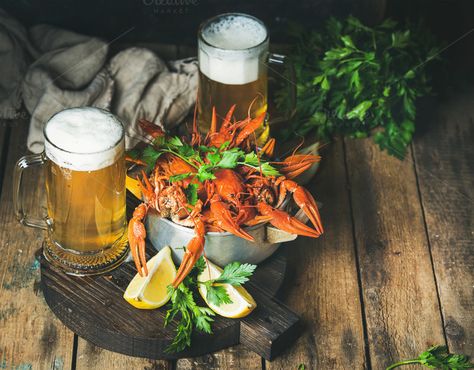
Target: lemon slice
132	185
242	302
151	291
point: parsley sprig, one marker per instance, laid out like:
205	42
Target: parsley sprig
438	357
191	315
234	274
188	314
203	158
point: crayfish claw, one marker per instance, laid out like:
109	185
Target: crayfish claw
306	202
285	222
194	250
136	239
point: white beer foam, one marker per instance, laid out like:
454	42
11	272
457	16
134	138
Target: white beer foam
232	50
84	139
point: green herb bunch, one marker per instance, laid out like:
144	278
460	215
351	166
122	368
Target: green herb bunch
438	357
359	81
188	314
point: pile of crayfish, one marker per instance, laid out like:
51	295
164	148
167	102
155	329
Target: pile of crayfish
220	181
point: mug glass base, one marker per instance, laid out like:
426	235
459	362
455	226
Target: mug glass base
86	264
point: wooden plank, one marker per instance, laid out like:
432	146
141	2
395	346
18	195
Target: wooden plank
399	291
322	283
91	357
444	157
234	358
30	335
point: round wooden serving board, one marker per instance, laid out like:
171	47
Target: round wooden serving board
94	309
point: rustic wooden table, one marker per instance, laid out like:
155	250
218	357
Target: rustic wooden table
393	274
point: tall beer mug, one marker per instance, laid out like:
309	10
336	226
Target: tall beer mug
84	166
233	69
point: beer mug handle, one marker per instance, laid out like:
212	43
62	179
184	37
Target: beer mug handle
289	74
22	216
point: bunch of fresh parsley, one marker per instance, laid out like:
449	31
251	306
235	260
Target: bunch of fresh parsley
358	81
188	313
438	357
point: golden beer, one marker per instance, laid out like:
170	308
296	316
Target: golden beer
88	207
232	52
251	98
84	162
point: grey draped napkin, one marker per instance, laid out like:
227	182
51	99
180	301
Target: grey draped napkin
72	70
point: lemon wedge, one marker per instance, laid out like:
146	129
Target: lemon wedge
132	185
242	302
149	292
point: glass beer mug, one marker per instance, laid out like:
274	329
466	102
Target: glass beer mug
233	69
84	166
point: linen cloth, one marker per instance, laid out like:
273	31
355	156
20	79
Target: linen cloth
73	70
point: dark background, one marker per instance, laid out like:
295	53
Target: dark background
176	21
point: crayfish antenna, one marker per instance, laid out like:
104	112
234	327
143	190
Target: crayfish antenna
196	136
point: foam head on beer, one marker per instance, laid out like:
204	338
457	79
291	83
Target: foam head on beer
84	139
232	48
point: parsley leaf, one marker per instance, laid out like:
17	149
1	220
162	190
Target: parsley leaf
200	265
133	153
205	173
251	159
191	194
229	158
216	294
175	141
203	319
149	156
235	274
205	149
224	145
213	158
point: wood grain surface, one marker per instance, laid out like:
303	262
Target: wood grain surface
30	335
393	274
322	281
399	290
90	356
444	156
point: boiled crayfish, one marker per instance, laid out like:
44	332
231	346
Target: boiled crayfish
219	182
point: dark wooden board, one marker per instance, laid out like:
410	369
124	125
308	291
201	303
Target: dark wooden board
93	308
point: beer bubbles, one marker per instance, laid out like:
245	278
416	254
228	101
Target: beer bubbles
84	139
231	48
